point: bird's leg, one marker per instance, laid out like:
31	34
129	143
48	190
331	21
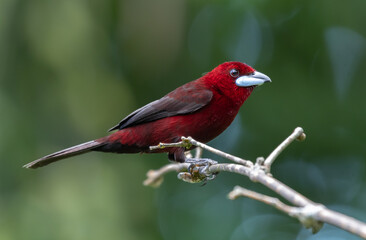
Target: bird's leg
198	168
177	155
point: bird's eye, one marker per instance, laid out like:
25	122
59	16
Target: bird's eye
234	73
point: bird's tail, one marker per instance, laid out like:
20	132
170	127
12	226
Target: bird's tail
68	152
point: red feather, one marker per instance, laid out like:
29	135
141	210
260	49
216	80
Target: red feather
202	109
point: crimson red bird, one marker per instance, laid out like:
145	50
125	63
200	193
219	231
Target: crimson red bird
202	109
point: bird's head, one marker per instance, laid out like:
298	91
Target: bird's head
235	79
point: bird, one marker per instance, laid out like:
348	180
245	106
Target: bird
201	109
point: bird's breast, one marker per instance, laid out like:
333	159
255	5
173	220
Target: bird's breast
210	121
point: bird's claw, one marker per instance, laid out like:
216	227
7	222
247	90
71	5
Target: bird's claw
198	170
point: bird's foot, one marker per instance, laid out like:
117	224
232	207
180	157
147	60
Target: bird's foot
198	170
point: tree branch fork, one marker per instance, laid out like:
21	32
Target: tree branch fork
310	214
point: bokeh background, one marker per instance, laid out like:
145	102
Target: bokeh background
71	69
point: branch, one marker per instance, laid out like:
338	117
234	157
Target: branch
298	134
310	214
303	214
187	142
155	177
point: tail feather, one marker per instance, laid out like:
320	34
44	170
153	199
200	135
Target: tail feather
65	153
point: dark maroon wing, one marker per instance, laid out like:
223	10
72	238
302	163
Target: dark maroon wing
183	100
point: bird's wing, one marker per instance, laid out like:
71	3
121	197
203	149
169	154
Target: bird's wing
183	100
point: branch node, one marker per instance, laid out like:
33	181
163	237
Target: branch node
187	142
254	173
307	215
260	160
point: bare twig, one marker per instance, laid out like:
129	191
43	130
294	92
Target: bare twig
304	205
310	214
304	214
218	152
155	177
199	152
257	175
298	133
184	144
275	202
187	142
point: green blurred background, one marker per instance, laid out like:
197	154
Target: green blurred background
71	69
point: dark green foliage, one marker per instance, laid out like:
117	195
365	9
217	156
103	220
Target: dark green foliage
69	70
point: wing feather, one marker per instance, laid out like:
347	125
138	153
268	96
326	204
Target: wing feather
183	100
